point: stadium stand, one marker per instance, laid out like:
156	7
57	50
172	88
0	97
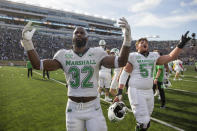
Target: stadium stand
54	31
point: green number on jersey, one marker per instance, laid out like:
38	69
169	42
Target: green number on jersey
75	72
144	71
90	71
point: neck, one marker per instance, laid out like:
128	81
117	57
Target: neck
79	49
144	53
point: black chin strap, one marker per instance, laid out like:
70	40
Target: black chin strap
145	53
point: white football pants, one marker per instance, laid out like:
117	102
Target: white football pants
104	79
81	116
114	83
142	104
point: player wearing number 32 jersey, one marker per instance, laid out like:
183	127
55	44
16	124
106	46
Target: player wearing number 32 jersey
81	66
81	71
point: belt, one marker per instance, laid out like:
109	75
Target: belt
82	99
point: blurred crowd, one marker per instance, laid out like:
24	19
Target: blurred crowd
47	44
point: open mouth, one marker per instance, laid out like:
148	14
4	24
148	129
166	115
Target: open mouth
145	46
78	39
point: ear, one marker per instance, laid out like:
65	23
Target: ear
136	47
87	38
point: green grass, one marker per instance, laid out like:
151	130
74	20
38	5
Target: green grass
35	104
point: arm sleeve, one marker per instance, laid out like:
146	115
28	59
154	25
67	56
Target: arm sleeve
156	54
160	67
101	53
131	58
59	56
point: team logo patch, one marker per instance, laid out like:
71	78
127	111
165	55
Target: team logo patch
68	55
97	108
138	57
69	110
90	54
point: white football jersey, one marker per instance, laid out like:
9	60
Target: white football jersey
105	70
141	76
81	71
178	64
117	70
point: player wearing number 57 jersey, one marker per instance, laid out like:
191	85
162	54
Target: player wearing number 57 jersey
81	67
143	67
140	67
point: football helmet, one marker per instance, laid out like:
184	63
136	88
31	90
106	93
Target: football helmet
102	43
115	51
117	111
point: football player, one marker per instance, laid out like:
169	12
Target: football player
178	68
158	77
196	66
105	79
170	67
81	66
140	67
114	83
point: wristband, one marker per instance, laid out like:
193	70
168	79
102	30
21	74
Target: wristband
41	65
116	65
119	92
27	44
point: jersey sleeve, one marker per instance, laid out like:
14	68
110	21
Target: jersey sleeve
101	53
156	55
59	55
131	58
160	67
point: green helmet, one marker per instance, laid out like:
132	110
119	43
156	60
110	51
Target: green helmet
115	51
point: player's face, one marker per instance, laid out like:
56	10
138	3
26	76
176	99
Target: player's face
142	46
80	37
103	46
112	53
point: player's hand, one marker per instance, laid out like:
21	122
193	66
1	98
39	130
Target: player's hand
184	40
155	81
116	99
125	30
27	35
28	31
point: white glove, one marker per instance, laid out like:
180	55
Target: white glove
126	31
27	35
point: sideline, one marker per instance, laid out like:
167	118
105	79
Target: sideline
182	80
181	90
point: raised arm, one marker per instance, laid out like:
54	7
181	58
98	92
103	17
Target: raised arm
115	61
27	43
174	53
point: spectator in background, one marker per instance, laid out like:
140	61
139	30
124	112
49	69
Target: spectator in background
196	66
158	81
47	73
29	68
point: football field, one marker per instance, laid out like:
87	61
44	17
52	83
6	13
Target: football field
37	104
